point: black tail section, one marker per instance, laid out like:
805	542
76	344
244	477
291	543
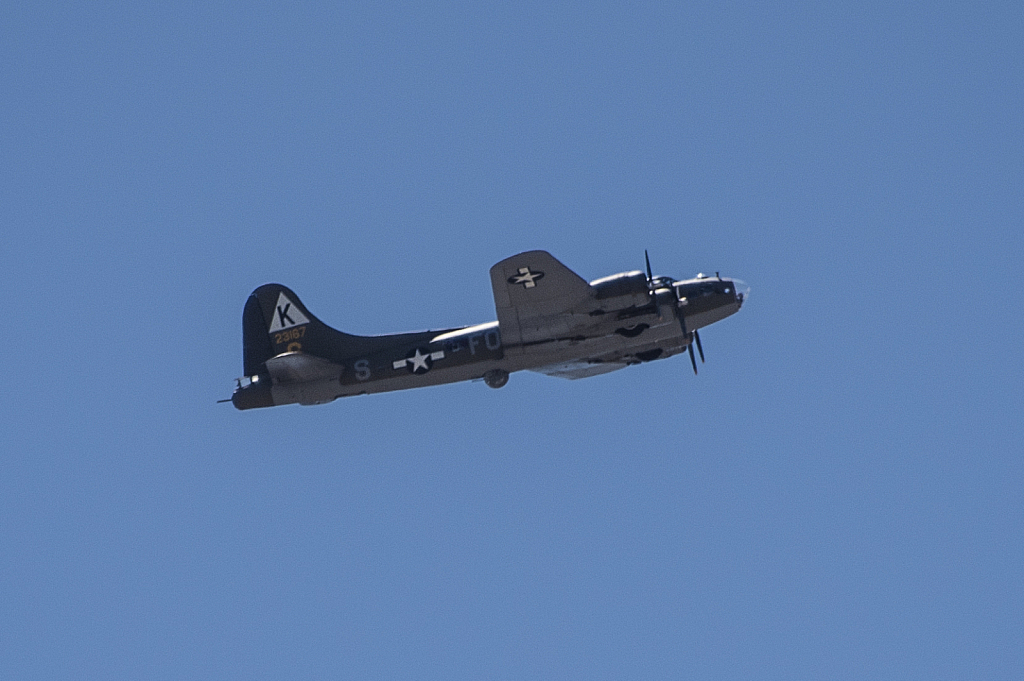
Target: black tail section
275	321
256	347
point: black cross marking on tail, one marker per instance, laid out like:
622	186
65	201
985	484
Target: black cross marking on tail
283	314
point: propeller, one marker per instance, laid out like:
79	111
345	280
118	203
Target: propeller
682	320
650	284
693	360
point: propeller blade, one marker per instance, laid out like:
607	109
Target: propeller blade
650	285
693	360
696	337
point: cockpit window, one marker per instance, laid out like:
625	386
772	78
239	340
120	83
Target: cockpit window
705	288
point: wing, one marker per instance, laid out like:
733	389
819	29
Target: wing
538	298
580	369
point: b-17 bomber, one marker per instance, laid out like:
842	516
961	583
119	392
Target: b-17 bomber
550	320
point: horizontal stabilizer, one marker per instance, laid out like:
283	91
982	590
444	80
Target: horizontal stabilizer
294	367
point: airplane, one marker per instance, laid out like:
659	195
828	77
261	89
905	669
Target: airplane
550	320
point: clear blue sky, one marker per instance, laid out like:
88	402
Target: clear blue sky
839	494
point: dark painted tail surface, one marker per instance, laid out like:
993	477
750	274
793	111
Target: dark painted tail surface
275	321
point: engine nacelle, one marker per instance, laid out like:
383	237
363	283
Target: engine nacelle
620	291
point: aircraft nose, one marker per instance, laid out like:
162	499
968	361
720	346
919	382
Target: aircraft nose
742	290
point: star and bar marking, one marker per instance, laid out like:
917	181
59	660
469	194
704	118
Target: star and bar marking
418	361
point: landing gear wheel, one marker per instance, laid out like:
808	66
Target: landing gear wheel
496	378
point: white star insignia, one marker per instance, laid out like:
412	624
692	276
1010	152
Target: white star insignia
526	277
419	361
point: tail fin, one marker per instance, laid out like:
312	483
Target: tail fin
275	321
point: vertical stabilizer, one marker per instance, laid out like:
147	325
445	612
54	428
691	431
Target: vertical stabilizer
275	322
256	347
